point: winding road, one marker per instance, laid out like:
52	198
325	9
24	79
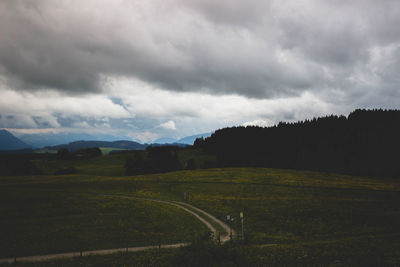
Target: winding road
209	221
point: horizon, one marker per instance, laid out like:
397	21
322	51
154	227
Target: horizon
163	140
172	69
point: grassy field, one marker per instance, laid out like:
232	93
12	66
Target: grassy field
314	218
39	216
107	150
288	206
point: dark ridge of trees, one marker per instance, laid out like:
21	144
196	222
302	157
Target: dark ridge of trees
90	152
154	160
367	143
83	153
17	151
64	153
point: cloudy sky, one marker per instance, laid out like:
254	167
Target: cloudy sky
171	68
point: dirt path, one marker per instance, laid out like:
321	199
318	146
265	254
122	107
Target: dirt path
224	237
179	205
86	253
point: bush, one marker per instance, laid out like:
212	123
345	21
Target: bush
67	170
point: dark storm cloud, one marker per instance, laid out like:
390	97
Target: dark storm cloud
235	13
35	54
252	48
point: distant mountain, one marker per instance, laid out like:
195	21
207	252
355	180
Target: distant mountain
10	142
122	144
168	144
189	140
165	140
53	139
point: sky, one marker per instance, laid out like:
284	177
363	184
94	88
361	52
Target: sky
174	68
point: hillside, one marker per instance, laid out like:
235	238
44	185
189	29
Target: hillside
10	142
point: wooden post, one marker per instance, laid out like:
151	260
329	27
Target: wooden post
241	217
159	243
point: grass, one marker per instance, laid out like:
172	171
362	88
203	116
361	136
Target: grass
63	217
107	150
283	206
315	218
365	251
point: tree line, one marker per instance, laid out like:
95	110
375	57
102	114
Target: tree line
153	160
364	143
24	162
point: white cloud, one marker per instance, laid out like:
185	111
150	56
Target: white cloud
41	107
146	112
144	136
81	125
261	123
200	112
169	125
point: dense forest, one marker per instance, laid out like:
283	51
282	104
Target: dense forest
365	143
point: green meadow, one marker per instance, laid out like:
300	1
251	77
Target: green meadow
290	217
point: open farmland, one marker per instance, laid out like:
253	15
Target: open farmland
42	216
308	216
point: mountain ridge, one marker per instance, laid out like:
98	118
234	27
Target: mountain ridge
9	142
